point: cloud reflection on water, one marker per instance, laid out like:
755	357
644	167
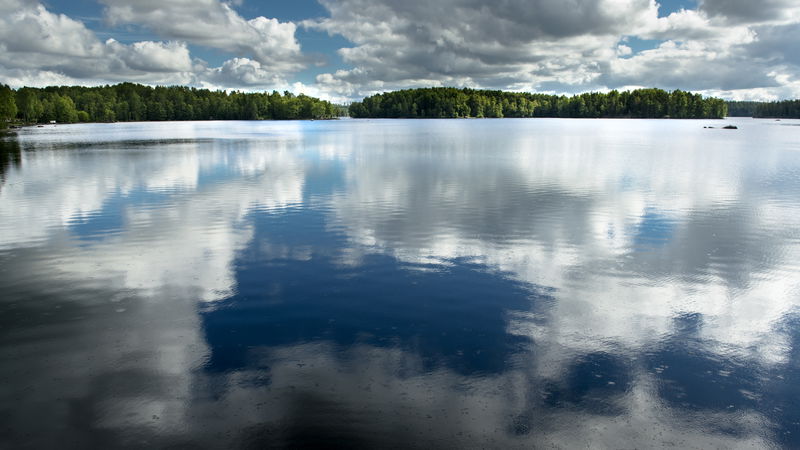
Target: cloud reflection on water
628	287
567	211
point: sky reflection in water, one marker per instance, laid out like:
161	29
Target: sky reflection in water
402	283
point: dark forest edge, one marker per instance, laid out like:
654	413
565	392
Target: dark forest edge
135	102
785	109
455	103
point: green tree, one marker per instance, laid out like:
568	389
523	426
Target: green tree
128	101
64	109
8	105
29	105
451	102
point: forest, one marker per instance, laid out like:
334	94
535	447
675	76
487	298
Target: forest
786	109
134	102
454	103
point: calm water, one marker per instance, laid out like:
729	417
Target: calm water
392	283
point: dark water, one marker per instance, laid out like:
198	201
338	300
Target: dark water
455	284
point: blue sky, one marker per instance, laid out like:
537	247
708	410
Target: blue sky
313	42
345	49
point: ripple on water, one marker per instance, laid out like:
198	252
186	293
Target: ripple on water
465	283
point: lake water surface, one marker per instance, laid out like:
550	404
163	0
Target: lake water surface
401	283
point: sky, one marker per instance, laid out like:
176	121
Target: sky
344	50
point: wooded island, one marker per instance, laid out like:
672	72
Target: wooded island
453	103
785	109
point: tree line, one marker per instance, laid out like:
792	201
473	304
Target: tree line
454	103
788	109
135	102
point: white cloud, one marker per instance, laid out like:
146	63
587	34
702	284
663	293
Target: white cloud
465	43
215	24
548	47
672	63
40	47
241	72
29	28
737	49
153	56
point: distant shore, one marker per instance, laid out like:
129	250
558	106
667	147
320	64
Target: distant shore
129	102
432	103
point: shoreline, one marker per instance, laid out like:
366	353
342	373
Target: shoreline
15	128
45	125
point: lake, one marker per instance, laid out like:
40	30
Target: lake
401	283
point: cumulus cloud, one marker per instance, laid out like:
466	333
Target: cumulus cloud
39	45
214	24
555	47
744	11
153	56
31	28
468	43
672	63
242	72
736	48
39	48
